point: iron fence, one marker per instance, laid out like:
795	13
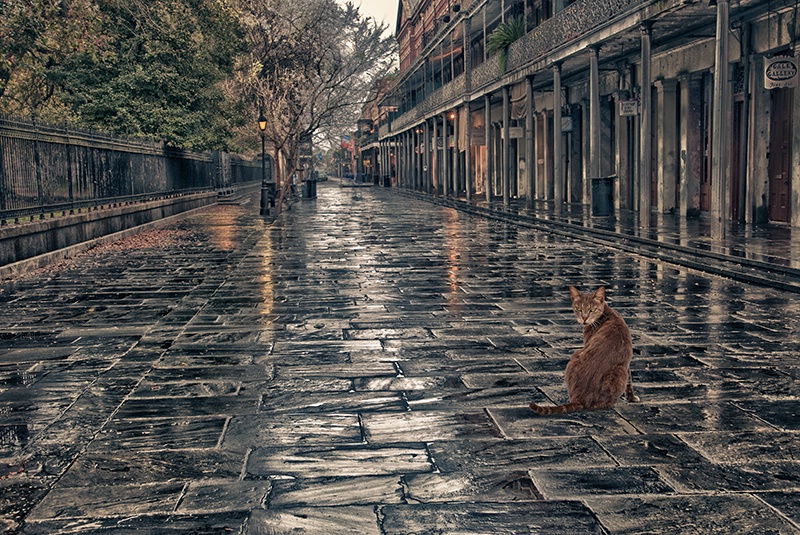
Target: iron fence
46	169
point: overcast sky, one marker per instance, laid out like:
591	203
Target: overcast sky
380	10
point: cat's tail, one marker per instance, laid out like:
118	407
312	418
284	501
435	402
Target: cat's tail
558	409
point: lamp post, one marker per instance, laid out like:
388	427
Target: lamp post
262	125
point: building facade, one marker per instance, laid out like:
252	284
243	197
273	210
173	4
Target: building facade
682	106
368	151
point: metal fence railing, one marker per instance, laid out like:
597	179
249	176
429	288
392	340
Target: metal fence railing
46	169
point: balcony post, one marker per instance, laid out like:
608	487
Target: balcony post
437	164
487	99
594	125
468	155
417	158
530	162
428	157
446	171
506	144
645	145
720	135
558	174
455	155
409	157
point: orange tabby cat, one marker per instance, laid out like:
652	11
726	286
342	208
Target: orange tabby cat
598	374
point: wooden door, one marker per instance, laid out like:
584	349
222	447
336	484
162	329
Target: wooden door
780	155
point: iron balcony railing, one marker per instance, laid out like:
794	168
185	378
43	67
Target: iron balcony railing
572	22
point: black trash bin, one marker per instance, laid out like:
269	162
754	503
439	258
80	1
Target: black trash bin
309	188
387	181
603	196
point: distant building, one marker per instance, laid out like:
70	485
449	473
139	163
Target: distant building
373	113
566	105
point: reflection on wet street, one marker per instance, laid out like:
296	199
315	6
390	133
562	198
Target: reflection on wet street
363	364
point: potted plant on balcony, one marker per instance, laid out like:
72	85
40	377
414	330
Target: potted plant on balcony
502	37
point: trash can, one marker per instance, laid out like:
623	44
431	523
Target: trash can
387	181
603	196
309	189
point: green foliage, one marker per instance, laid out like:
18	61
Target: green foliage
160	75
502	37
36	37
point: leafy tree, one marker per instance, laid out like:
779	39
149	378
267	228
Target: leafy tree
160	73
309	67
36	38
145	68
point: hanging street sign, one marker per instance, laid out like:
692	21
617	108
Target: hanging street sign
628	108
780	71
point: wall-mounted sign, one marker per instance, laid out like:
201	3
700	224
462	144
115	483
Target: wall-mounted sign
628	108
514	132
566	123
780	71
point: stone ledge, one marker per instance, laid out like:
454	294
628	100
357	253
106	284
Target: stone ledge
37	243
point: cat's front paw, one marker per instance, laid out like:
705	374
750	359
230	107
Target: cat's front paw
633	398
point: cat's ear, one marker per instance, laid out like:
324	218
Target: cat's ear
600	294
574	293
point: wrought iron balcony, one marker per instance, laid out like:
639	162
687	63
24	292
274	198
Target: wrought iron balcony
569	24
367	139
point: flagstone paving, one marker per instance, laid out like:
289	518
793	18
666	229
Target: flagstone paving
363	364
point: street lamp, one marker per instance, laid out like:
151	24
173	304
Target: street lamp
262	125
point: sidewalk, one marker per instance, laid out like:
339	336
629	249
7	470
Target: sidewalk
765	254
363	363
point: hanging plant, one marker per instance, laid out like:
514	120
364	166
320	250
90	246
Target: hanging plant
502	37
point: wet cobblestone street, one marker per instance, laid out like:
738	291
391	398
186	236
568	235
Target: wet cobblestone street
364	363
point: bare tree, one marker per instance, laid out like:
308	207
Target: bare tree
309	67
